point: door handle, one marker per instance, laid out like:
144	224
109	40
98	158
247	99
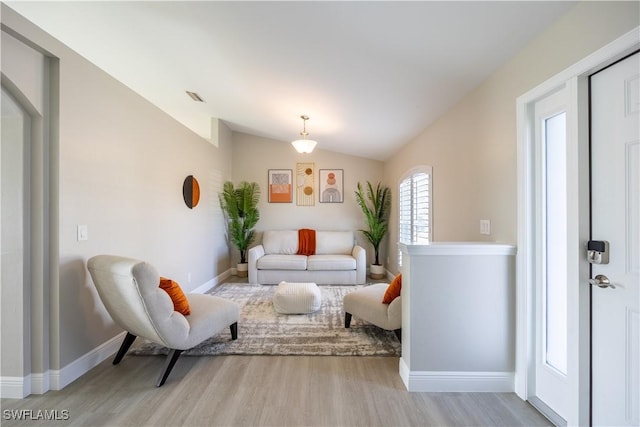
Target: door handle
601	281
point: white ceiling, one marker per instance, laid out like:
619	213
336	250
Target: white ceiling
371	75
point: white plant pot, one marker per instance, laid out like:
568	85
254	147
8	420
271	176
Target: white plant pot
376	271
242	269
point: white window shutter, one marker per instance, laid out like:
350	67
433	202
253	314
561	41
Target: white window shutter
415	204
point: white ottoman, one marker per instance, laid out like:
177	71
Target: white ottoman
297	298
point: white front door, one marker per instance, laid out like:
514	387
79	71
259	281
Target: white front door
615	217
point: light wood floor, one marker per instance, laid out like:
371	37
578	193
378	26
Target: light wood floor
266	391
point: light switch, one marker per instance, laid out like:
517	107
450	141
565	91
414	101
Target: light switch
485	226
83	232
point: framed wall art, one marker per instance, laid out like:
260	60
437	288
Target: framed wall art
304	184
331	185
280	185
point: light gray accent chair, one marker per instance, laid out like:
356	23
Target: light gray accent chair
129	289
366	304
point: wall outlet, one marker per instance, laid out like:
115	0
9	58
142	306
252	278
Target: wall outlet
485	227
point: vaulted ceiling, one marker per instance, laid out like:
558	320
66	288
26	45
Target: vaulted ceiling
370	75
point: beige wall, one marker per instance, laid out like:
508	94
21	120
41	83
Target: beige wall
472	147
253	156
121	166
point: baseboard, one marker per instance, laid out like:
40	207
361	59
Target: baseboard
40	383
21	387
549	413
15	387
74	370
448	381
203	289
220	278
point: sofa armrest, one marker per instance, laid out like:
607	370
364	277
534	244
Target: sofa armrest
255	253
360	254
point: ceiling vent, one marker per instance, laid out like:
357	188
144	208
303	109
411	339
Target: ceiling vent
195	96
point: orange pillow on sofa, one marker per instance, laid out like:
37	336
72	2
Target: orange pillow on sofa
393	291
180	301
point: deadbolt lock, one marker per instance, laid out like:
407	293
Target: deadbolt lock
598	251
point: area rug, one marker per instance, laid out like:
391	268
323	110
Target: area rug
263	331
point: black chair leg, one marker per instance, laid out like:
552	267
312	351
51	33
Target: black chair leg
171	359
126	343
234	331
398	333
347	320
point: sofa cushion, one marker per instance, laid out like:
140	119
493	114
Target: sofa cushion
334	242
282	262
331	262
282	242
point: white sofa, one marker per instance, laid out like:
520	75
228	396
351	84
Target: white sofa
338	260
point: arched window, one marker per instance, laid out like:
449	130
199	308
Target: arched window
415	203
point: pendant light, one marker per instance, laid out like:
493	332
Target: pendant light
304	145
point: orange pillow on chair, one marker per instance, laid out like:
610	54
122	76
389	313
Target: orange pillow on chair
393	291
180	301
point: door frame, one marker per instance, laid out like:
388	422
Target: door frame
575	80
40	292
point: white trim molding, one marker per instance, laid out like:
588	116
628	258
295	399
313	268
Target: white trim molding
206	287
441	381
74	370
459	248
41	382
15	387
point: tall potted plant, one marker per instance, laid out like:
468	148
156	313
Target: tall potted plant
376	205
240	205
